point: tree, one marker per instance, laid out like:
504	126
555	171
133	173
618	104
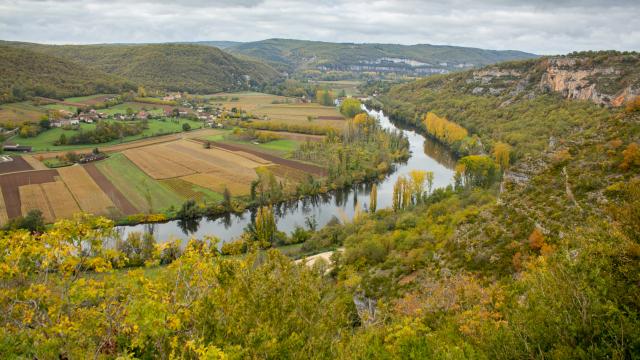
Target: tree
630	156
226	198
429	181
324	97
265	227
45	124
399	191
477	170
373	198
501	153
142	92
186	127
418	178
350	107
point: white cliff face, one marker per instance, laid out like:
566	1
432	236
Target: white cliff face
574	78
565	76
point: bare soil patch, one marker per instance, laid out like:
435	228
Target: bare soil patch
18	164
10	184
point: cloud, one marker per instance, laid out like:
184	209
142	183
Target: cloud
542	26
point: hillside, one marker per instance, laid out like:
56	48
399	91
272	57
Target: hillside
300	54
174	67
26	73
533	253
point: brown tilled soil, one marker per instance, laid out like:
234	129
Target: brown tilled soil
18	164
10	184
114	194
308	168
330	118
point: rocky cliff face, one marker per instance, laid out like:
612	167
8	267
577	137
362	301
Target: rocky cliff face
573	81
606	80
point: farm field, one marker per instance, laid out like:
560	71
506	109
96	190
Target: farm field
212	169
135	106
301	115
20	112
60	106
60	199
89	100
350	87
45	140
248	101
32	197
145	193
86	192
16	163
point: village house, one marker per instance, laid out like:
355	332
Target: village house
142	115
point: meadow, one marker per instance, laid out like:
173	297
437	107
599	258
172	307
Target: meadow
45	141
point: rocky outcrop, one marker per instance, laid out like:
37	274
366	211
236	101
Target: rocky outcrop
609	80
568	77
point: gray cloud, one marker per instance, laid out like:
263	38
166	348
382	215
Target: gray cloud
542	26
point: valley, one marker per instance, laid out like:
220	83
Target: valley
168	195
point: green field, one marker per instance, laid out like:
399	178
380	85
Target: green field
45	140
284	145
82	99
135	106
138	186
61	107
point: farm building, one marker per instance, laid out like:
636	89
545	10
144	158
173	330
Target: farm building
17	148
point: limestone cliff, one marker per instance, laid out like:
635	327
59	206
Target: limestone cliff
609	79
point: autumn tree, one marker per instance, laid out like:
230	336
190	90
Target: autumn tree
501	154
630	156
265	227
373	196
444	130
142	92
477	170
350	107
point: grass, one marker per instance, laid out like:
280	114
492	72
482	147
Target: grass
135	106
138	186
283	145
70	108
45	140
81	99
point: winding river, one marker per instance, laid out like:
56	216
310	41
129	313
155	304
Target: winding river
425	155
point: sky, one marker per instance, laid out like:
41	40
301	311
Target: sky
538	26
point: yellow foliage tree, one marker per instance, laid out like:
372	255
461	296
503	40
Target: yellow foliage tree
501	153
443	129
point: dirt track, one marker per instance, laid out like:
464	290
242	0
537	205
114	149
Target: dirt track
10	187
112	192
308	168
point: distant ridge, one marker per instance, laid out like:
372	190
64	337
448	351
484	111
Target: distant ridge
175	67
302	54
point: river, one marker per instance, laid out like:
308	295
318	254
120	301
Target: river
425	155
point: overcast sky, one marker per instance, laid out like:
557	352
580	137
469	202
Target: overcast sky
548	27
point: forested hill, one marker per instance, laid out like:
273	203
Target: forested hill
177	67
302	54
26	73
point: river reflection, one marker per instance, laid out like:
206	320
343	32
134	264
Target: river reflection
341	204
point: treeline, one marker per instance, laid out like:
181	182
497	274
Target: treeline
105	131
25	74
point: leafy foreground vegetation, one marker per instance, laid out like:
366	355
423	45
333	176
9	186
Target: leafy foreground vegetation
540	262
